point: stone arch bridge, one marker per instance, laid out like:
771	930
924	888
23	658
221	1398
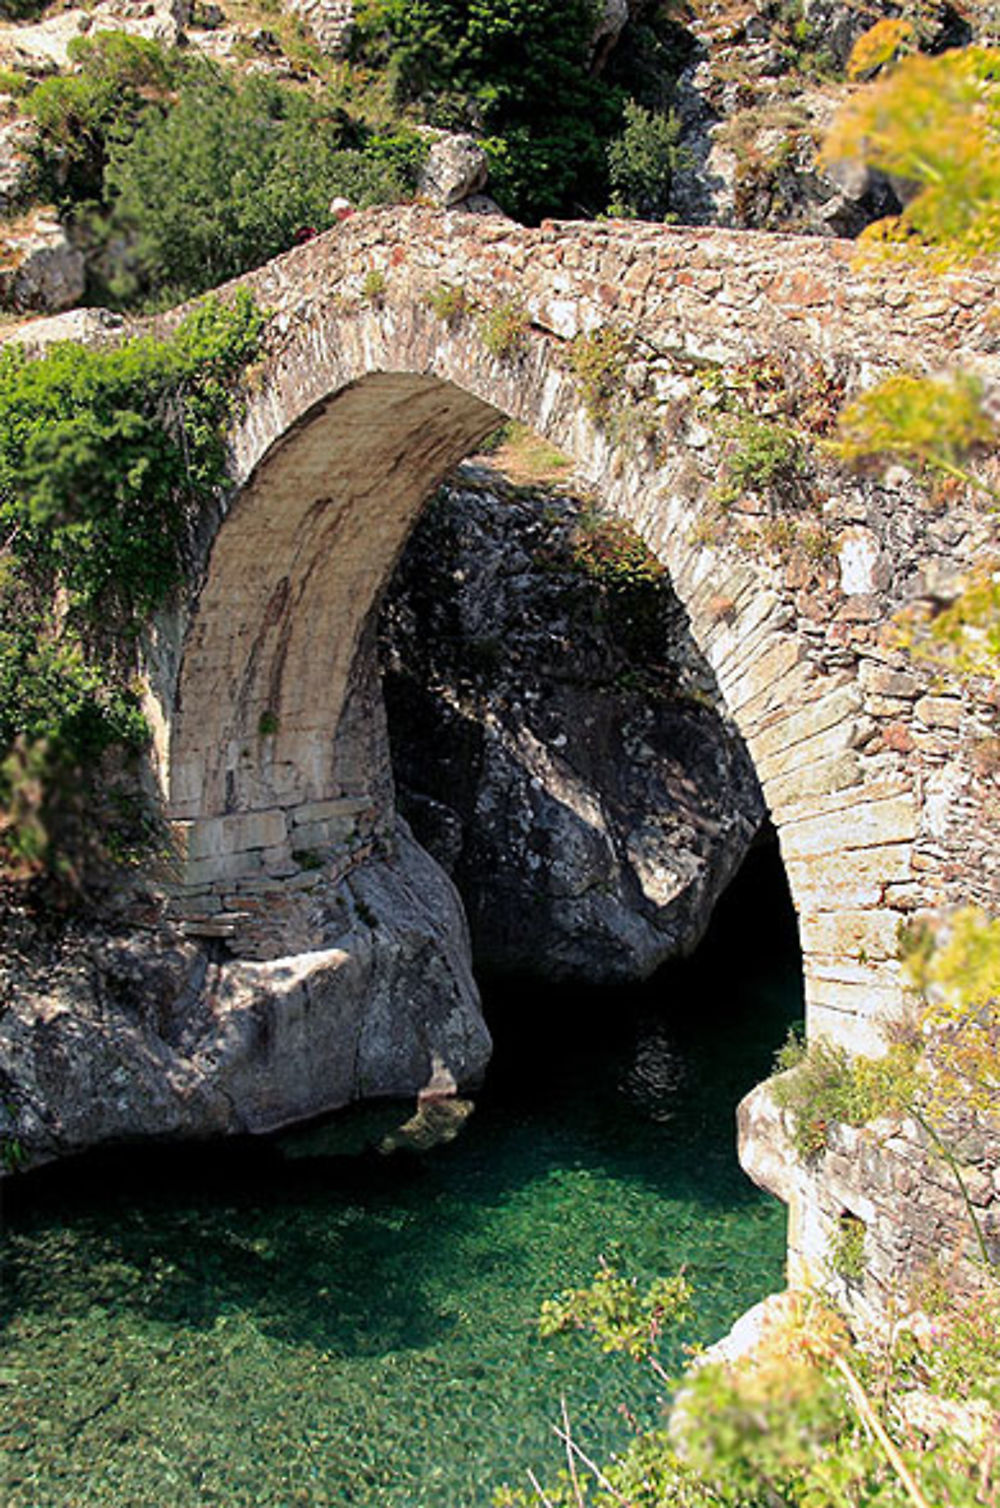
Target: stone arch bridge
395	342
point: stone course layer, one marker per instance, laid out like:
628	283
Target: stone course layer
263	684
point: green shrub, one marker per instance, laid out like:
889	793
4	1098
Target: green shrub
642	162
763	454
504	328
104	452
373	289
118	79
449	303
847	1249
598	363
14	83
827	1086
515	71
232	174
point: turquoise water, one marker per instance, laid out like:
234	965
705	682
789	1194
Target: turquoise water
243	1327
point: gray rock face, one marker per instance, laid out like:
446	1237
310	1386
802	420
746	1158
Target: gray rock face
556	742
16	169
44	46
754	166
330	21
105	1037
41	270
456	168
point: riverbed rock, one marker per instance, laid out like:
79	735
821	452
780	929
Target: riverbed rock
107	1035
557	743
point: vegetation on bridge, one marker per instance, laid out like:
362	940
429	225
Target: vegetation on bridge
105	453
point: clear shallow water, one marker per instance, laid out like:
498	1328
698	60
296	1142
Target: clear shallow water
234	1327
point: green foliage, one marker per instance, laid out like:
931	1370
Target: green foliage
608	551
450	303
763	454
373	289
799	1422
230	175
828	1086
642	162
117	79
934	122
504	328
923	421
847	1249
14	83
963	640
960	975
598	363
881	44
613	1310
515	71
632	581
103	455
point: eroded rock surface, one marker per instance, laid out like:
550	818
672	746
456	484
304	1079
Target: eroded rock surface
39	268
108	1036
556	739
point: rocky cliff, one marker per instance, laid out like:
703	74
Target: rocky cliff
557	739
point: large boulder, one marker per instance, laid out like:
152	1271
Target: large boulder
109	1035
558	746
456	167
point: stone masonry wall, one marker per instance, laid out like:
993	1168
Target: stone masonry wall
364	401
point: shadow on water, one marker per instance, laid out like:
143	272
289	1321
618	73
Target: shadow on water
605	1127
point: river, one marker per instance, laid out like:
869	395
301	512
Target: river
278	1323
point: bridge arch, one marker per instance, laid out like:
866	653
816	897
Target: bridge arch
272	744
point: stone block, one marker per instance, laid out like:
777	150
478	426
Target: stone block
838	1020
800	726
851	934
820	779
885	682
317	836
336	807
940	711
223	867
829	881
237	833
862	825
833	743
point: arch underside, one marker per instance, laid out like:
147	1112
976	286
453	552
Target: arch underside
277	742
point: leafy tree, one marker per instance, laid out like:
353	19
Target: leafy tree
103	455
516	71
641	163
229	175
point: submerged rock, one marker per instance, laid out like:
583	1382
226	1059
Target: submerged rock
106	1037
557	739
